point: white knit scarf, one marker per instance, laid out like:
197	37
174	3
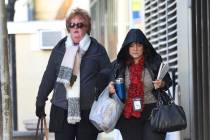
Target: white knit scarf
69	75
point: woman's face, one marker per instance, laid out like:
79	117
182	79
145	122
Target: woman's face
136	50
77	29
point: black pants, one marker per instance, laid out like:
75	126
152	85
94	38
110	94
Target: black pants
84	130
139	128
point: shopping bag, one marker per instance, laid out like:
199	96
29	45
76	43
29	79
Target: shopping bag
106	111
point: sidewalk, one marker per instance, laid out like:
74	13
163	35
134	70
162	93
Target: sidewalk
31	125
30	135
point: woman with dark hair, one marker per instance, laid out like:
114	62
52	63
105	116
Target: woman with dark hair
138	64
76	68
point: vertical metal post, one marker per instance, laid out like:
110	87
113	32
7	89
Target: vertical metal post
12	63
4	68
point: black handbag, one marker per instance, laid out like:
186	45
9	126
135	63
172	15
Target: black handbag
168	117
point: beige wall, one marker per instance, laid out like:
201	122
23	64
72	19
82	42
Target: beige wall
30	65
57	9
46	9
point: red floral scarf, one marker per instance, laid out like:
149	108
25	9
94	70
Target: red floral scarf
135	89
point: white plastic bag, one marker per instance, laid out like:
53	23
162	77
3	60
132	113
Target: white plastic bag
106	111
113	135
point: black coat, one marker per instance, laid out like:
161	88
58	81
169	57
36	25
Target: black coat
94	65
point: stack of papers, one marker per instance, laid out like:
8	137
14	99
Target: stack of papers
162	71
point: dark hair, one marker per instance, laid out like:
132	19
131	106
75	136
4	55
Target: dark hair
83	14
128	58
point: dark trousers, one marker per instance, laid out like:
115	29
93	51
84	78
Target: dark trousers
84	130
139	128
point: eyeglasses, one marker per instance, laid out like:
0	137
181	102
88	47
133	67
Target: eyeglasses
77	25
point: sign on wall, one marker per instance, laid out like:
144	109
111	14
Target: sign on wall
137	14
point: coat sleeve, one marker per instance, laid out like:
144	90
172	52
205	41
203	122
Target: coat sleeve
47	82
103	76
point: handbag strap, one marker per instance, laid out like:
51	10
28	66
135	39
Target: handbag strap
43	123
160	101
170	96
46	129
37	127
173	76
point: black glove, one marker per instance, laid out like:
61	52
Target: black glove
40	111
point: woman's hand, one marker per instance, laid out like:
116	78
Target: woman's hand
158	84
111	88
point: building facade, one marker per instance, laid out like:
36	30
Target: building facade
179	30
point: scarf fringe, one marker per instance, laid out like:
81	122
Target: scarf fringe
73	120
63	81
73	110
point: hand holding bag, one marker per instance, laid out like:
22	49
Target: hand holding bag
168	117
106	111
46	133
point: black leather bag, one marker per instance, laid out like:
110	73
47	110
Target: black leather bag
168	117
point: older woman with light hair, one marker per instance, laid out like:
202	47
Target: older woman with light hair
78	65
